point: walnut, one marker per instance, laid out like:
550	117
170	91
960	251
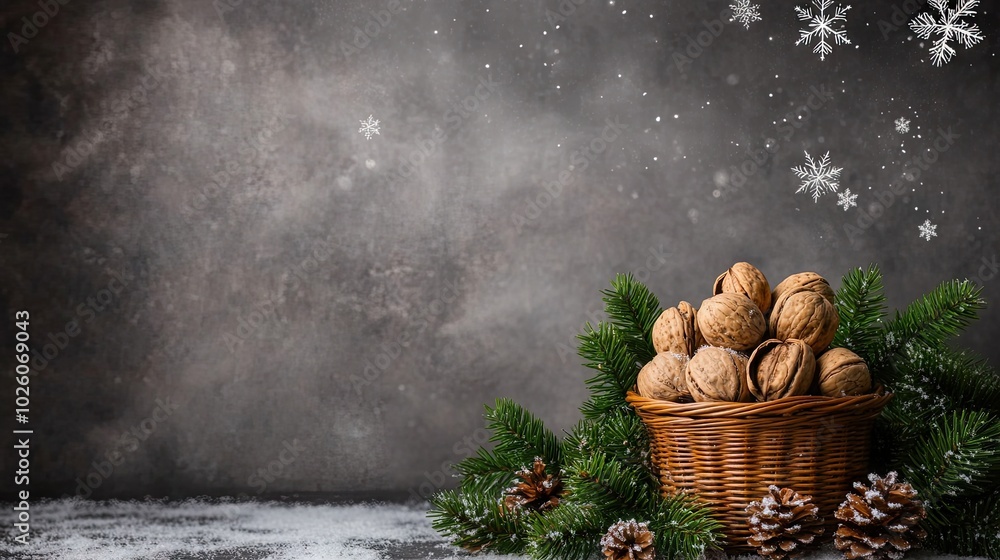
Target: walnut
676	330
779	369
744	278
663	377
803	281
807	316
717	374
731	321
841	373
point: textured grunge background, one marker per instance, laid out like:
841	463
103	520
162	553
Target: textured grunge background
233	291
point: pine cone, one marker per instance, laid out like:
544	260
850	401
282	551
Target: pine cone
881	521
537	490
783	524
628	539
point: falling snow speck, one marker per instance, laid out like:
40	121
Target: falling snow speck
818	176
928	230
847	200
745	12
369	127
902	125
822	26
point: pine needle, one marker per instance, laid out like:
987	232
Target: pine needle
860	303
633	310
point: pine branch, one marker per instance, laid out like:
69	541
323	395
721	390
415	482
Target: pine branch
488	472
966	527
860	303
956	379
935	318
608	484
682	529
519	438
570	532
479	522
960	457
604	350
573	531
518	433
633	309
621	435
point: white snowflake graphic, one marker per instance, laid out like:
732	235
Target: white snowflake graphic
369	127
846	199
818	177
902	125
927	230
745	12
949	27
821	26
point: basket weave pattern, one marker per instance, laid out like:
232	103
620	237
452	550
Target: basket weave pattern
727	453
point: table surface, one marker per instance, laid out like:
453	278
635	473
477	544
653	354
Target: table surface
230	529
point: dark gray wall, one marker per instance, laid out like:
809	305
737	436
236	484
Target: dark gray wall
264	316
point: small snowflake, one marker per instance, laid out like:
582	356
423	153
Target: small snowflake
369	127
902	125
821	27
927	230
846	199
949	27
745	12
819	177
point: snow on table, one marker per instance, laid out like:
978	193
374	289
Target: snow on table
229	530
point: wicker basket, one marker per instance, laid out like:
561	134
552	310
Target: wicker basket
727	453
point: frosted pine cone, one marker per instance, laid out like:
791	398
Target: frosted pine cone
783	524
628	540
536	490
880	521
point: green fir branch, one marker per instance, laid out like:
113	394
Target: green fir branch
479	522
519	438
935	318
518	433
966	527
608	484
573	531
618	434
682	529
954	379
569	532
488	472
604	349
898	430
633	309
959	457
860	304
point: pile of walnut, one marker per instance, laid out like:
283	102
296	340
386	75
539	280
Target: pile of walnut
749	343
